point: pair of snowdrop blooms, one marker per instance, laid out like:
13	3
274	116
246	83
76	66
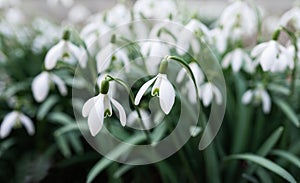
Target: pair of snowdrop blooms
99	107
66	51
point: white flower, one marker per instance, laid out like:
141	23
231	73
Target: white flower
14	118
207	92
238	58
109	53
258	95
239	20
189	88
64	50
292	16
118	15
78	13
195	130
219	39
272	56
154	9
41	85
65	3
161	88
133	120
98	108
188	38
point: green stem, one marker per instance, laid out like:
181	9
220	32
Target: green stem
131	96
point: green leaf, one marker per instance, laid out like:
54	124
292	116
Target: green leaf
264	176
63	146
60	118
118	151
122	170
288	111
287	156
270	142
6	145
46	107
266	164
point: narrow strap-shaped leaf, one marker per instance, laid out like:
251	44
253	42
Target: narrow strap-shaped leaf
288	111
46	107
266	164
264	176
119	150
287	156
270	142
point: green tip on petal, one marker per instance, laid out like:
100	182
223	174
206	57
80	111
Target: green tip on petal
113	39
66	35
155	92
276	34
107	113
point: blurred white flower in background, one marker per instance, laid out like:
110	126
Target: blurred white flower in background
257	96
291	50
163	9
133	120
117	15
208	92
189	87
219	39
190	35
65	3
291	17
111	53
15	119
66	51
41	85
239	20
272	56
238	59
78	13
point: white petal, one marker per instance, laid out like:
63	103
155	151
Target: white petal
28	124
107	105
199	76
142	91
156	84
79	53
54	54
180	76
96	117
104	58
246	98
166	95
40	86
88	105
8	123
207	94
266	101
226	61
268	56
122	114
258	49
237	60
218	94
60	84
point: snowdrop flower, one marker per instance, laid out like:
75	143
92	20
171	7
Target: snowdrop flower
119	14
258	95
272	56
187	38
195	130
153	9
41	85
133	120
99	107
238	58
161	88
292	16
219	39
15	118
239	20
65	3
291	50
207	92
190	87
111	53
64	50
78	13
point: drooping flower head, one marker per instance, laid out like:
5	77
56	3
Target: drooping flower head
258	96
99	107
162	88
